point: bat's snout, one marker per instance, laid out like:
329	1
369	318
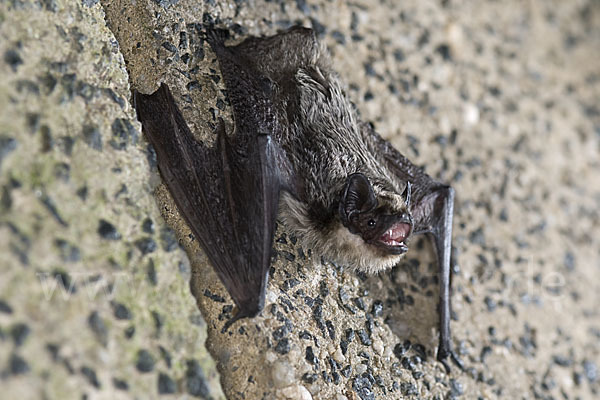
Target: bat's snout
396	234
394	238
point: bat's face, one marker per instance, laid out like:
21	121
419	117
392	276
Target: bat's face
380	220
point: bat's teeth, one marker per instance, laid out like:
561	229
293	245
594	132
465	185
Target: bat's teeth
396	235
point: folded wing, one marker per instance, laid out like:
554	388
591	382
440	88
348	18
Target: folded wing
227	193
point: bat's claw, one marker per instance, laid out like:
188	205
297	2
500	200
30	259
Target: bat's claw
443	358
233	320
459	363
251	310
216	37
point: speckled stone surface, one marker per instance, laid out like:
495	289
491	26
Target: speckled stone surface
94	289
500	99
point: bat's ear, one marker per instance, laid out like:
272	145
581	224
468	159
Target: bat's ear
357	197
407	194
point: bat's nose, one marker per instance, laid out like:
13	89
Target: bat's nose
406	218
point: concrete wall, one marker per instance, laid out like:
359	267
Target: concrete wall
99	300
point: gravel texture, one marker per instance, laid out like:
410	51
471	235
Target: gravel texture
93	304
500	99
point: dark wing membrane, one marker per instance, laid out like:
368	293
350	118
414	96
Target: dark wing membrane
255	98
432	208
228	195
260	76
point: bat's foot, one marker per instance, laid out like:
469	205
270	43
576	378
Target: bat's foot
216	37
443	358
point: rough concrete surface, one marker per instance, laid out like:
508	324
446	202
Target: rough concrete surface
94	293
500	99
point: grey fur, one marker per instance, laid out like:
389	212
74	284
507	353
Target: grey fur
299	148
326	143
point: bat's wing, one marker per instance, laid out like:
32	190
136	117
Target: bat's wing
432	208
228	193
255	96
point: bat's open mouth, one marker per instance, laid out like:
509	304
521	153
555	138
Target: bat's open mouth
395	236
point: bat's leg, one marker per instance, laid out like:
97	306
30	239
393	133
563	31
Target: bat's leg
432	213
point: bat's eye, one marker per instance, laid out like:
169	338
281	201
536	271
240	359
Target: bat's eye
371	223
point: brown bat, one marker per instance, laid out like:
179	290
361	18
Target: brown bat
298	149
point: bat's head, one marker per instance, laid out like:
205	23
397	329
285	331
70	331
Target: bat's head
369	232
380	218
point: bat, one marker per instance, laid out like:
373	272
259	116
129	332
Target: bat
300	151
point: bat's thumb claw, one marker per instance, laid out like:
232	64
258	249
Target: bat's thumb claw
242	313
443	358
233	320
221	132
446	366
459	363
